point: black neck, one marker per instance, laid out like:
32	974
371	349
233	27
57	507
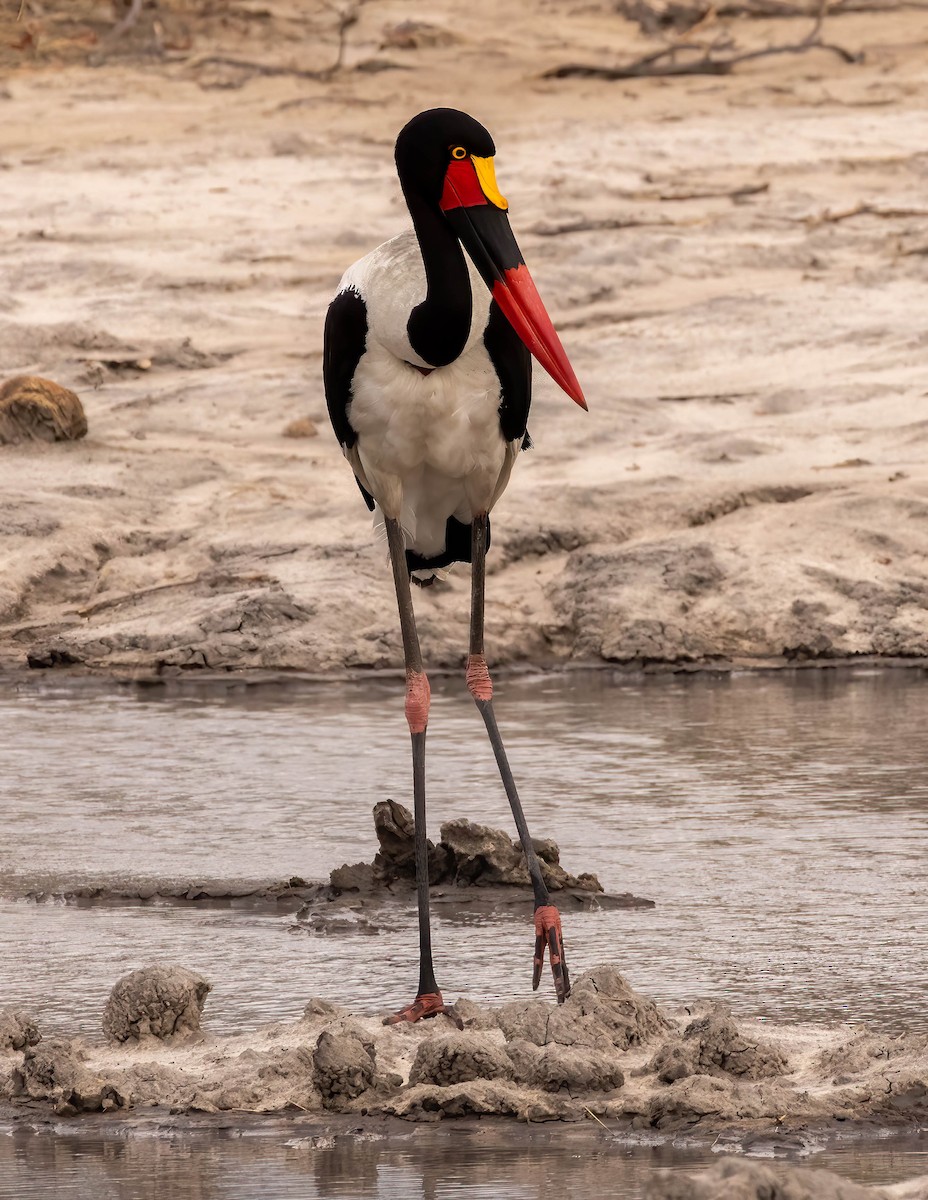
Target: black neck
439	327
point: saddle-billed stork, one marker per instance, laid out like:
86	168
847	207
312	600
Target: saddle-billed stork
427	371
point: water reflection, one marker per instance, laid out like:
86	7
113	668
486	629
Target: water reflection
476	1161
778	821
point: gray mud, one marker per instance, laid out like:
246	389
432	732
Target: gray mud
608	1053
736	1180
473	868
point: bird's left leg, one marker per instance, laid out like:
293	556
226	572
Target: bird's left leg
547	918
428	1001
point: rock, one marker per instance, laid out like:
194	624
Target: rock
630	1018
483	855
713	1045
317	1007
738	1179
356	877
411	35
467	855
396	830
36	409
46	1070
478	1097
553	1068
474	1016
343	1068
302	427
17	1030
54	1071
458	1058
547	850
158	1002
865	1050
525	1019
714	1100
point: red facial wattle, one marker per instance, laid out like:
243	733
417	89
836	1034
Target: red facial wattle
472	204
462	187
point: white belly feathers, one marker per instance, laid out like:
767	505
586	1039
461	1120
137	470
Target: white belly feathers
429	446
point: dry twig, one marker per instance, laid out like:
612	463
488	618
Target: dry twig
832	217
131	17
667	61
652	66
346	18
654	16
588	225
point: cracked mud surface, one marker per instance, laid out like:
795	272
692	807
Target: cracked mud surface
608	1051
737	269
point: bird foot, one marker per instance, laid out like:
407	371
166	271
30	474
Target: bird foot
548	934
428	1004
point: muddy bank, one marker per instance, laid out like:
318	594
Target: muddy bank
473	868
736	267
608	1053
735	1180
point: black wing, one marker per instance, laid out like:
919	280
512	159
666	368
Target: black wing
345	342
513	364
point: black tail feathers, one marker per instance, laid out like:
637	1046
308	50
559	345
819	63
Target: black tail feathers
457	549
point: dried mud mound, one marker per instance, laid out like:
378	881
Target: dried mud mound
17	1030
158	1002
732	1179
713	1045
55	1071
608	1052
33	409
468	855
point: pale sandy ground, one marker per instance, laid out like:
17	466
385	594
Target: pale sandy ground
750	483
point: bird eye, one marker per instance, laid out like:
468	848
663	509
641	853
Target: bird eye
458	152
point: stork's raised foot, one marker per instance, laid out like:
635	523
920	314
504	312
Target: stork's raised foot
430	1004
548	934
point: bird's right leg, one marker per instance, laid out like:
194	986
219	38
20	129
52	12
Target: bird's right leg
428	1001
548	934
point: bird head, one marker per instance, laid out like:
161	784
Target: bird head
445	158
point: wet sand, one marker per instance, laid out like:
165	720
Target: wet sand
736	265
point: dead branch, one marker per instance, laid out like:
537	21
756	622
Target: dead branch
737	193
587	225
131	17
346	17
673	59
654	65
654	16
834	216
596	225
256	68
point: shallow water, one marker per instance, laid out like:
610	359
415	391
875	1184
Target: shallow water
482	1161
778	821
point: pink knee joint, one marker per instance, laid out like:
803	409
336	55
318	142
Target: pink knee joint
418	695
479	683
